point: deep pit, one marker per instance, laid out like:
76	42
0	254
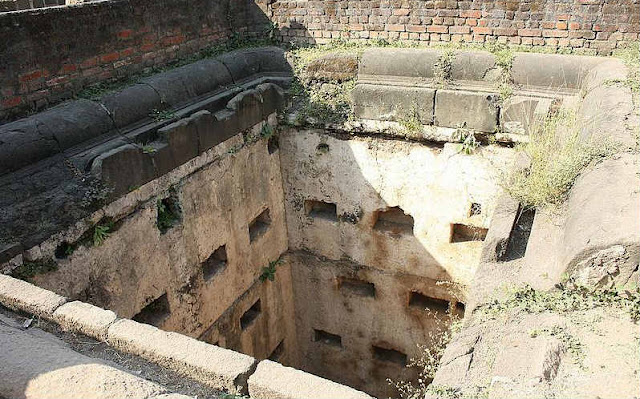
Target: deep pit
333	249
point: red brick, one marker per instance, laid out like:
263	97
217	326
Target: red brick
31	76
89	62
109	57
555	33
561	25
437	29
147	47
471	14
11	102
416	28
395	27
481	30
68	68
125	34
505	31
127	52
459	29
574	25
401	12
529	32
472	22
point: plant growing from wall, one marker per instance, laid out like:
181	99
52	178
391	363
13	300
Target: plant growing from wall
557	155
467	140
504	61
169	212
429	361
101	232
442	70
269	272
29	269
411	122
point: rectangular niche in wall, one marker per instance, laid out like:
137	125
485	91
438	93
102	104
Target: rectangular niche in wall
466	233
327	338
389	355
423	302
321	210
357	287
155	312
215	263
259	225
250	315
277	353
393	220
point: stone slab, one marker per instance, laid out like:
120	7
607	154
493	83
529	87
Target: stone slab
40	366
472	110
22	296
272	380
84	318
131	104
551	71
211	365
414	63
393	103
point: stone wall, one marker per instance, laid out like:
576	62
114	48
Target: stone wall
50	54
597	26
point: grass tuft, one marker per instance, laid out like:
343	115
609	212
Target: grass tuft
557	155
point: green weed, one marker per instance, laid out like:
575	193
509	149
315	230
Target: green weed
29	269
101	232
269	272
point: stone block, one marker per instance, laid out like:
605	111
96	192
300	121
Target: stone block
131	104
473	110
248	108
273	98
522	115
211	365
75	122
84	318
182	138
333	67
502	221
226	125
122	168
245	64
23	143
393	103
22	296
272	380
170	87
36	364
205	76
559	71
413	63
472	66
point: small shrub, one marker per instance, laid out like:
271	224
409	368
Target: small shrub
467	140
169	213
443	68
29	269
411	123
161	115
557	155
101	232
269	272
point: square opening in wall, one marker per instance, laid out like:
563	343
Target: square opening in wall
394	221
169	213
259	225
389	355
277	353
327	338
465	233
357	287
321	210
459	309
155	312
423	302
250	315
215	263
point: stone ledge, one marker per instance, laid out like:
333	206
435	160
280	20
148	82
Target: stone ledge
272	380
211	365
22	296
85	318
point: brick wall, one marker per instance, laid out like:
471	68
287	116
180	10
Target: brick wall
50	54
597	26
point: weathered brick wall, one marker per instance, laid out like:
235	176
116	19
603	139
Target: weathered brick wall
15	5
50	54
598	26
